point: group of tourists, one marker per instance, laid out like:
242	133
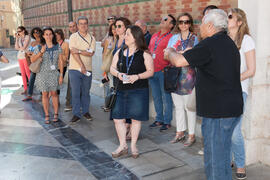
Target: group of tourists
215	68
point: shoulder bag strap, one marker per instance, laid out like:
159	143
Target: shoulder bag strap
121	66
86	40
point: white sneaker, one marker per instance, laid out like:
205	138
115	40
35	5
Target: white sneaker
201	152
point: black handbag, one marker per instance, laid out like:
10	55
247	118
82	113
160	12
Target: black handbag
171	77
110	99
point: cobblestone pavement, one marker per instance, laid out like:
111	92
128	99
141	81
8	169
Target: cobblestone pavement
31	150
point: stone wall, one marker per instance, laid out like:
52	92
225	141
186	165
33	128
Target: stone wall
256	123
54	12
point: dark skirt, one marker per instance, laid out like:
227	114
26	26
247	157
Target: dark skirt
132	104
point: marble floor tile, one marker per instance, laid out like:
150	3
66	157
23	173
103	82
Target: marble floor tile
107	146
111	170
16	113
19	122
24	167
151	162
174	173
80	150
35	150
68	136
26	135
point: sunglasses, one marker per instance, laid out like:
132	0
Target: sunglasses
37	32
19	31
230	16
118	26
165	19
184	22
108	19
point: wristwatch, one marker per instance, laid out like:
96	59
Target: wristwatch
79	51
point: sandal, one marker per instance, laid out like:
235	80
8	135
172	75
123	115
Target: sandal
47	119
122	152
28	98
178	138
135	154
189	142
55	118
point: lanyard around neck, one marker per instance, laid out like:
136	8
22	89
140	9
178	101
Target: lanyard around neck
185	42
85	39
50	53
128	64
158	41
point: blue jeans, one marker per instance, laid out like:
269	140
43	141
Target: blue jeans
31	84
217	136
238	144
69	94
80	87
161	98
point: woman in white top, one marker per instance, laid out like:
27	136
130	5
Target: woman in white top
239	32
21	44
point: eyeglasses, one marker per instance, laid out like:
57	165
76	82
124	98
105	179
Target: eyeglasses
230	16
184	22
118	26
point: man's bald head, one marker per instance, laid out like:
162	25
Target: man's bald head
72	27
142	25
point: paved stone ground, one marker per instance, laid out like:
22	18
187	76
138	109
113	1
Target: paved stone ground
31	150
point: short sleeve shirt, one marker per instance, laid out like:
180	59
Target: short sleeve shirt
160	41
76	41
246	46
187	78
218	86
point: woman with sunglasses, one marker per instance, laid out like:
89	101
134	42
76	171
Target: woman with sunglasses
49	79
121	25
35	34
21	44
182	42
239	32
132	67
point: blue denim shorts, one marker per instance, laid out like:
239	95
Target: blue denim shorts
133	104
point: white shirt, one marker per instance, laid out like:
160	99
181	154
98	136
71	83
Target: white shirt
247	45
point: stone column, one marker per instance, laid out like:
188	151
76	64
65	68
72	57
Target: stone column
256	122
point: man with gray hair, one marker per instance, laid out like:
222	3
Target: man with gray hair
82	46
143	26
72	26
218	90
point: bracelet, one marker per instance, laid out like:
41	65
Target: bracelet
138	76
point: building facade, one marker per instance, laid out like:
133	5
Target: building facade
55	12
10	19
